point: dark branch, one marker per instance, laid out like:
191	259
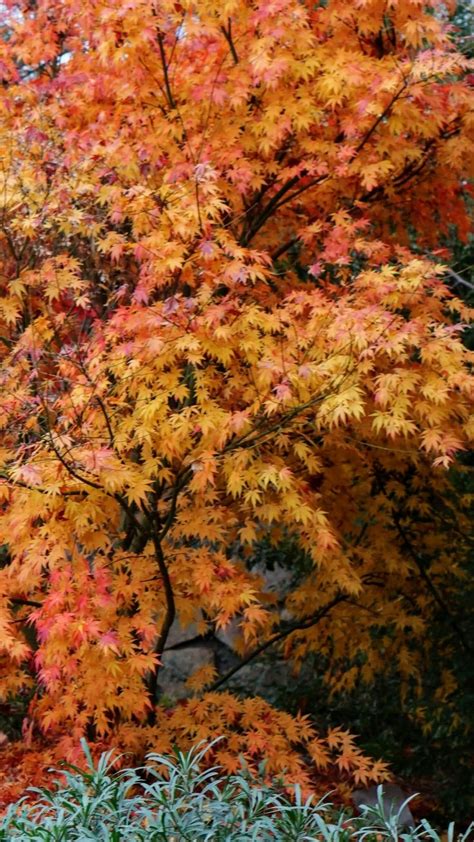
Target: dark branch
228	37
169	93
282	198
17	600
170	614
300	625
284	248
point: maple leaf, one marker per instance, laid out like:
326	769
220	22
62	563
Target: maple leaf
215	335
202	677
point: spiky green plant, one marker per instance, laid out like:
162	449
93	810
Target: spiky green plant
175	798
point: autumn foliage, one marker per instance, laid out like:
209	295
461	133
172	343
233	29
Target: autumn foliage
223	318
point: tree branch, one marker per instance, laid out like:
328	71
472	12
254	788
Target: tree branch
458	278
281	198
280	635
169	93
170	614
228	37
283	248
17	600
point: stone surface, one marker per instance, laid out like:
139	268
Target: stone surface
180	634
179	665
392	799
229	634
186	651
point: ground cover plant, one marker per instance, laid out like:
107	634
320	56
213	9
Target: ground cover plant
225	324
173	798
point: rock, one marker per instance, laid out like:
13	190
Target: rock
186	650
392	799
263	677
229	634
179	665
181	634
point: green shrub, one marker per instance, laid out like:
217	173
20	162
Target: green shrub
175	799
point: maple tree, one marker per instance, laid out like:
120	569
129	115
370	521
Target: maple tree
223	319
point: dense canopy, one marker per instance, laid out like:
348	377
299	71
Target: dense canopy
224	320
